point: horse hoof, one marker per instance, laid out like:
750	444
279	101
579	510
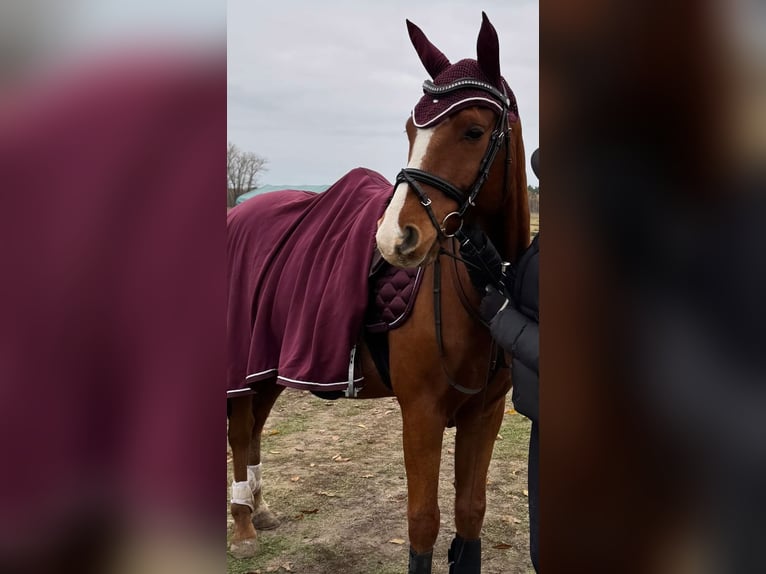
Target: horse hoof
244	548
265	520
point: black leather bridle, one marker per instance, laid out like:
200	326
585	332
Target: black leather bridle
465	199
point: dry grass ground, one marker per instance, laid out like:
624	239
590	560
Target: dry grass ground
534	223
334	474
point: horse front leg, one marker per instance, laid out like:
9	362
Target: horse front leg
477	426
423	431
244	539
263	401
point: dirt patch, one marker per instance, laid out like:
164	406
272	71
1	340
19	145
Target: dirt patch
334	474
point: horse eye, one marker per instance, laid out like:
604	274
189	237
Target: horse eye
474	133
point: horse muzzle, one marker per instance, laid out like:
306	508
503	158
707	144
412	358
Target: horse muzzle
410	248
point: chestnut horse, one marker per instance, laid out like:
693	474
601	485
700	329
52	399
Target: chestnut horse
466	167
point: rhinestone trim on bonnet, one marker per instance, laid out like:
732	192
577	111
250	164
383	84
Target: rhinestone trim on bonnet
461	85
430	88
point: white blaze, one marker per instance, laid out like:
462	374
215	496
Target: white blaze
389	233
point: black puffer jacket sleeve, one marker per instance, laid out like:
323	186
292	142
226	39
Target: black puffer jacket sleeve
516	329
519	335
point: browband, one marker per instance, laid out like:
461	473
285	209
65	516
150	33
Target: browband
466	83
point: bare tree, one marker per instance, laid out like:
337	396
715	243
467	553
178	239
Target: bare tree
242	169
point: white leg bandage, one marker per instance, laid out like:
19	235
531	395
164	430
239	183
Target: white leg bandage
254	478
242	494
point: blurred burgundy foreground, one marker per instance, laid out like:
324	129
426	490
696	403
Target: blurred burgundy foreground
111	305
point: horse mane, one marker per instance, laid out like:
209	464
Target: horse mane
508	223
516	205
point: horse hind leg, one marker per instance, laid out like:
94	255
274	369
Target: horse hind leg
244	542
263	402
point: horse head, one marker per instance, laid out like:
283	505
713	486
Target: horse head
466	158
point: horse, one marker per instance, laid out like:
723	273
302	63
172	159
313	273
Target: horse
466	167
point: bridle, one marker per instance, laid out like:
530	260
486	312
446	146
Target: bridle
465	200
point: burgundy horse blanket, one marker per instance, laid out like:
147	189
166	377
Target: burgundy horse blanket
298	267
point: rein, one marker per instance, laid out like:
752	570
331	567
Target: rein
471	311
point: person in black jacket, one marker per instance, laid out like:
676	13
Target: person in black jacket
511	307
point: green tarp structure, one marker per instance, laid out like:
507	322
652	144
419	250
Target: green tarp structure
268	188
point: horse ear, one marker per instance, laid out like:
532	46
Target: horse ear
433	60
488	51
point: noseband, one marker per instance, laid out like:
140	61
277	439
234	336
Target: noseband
465	200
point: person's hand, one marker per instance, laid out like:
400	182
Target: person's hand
485	267
493	302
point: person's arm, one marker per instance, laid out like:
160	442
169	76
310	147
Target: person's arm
517	334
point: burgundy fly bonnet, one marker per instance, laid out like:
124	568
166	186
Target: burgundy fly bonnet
434	107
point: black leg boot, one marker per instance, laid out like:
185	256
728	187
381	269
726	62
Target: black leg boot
420	563
464	556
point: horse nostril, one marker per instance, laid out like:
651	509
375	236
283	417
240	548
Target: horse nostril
409	241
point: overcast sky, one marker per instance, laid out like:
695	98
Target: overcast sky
319	88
